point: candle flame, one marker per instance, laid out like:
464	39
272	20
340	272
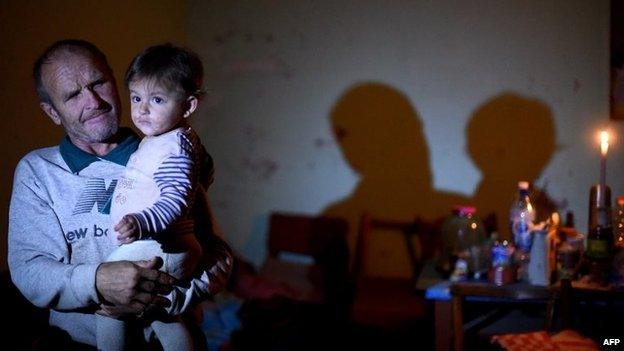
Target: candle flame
604	142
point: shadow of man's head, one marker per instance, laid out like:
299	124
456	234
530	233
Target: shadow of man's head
380	133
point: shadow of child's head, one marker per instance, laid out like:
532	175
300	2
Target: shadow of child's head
511	137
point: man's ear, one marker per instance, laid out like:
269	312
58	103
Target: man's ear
191	105
51	112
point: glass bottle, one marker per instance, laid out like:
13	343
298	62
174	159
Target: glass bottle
600	231
521	218
599	251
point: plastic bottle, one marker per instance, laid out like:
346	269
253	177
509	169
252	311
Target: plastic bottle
501	254
501	271
521	218
537	269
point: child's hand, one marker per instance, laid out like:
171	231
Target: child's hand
128	229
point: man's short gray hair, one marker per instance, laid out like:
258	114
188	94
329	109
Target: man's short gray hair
70	45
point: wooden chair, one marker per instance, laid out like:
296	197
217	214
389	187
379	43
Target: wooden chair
391	303
306	277
310	254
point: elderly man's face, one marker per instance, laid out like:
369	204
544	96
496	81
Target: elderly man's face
84	96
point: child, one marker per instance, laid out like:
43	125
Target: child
154	196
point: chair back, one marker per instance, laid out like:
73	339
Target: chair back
309	253
305	235
391	303
421	238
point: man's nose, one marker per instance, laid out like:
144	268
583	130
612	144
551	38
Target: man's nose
94	100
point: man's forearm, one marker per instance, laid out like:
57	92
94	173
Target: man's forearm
52	284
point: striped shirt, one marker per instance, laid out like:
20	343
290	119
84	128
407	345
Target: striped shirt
160	182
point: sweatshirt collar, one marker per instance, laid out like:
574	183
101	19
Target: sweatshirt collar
78	159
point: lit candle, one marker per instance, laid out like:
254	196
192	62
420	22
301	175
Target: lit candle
604	147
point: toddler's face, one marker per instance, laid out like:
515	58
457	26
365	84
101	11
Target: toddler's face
155	109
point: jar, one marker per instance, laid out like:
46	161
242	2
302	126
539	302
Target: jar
463	236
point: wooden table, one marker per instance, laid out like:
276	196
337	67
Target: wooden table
516	292
448	298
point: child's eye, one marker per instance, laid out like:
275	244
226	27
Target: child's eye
158	100
135	99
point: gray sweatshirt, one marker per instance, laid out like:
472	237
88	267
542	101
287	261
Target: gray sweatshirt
58	227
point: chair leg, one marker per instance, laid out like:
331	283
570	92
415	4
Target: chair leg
458	323
566	303
549	321
443	325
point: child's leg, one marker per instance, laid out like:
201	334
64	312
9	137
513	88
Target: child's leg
111	334
181	264
173	334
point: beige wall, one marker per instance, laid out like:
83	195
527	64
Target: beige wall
284	75
119	28
400	108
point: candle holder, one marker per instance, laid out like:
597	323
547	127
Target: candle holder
599	206
599	235
600	228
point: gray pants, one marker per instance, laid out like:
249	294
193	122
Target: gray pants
112	334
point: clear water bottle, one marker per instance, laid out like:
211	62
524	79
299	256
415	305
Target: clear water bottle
521	218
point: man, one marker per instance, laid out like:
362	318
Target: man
59	214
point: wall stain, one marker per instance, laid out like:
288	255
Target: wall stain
263	168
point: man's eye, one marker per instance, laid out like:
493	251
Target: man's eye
135	99
72	95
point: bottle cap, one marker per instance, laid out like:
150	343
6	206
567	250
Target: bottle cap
464	210
523	184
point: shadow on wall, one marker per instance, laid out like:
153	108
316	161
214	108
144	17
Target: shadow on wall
510	138
381	137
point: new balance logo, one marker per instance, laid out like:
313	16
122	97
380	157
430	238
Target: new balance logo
95	193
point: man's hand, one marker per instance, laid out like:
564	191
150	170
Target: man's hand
117	312
128	229
218	274
132	287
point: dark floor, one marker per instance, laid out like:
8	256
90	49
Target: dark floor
288	326
285	325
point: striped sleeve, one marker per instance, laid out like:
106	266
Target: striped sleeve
174	179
